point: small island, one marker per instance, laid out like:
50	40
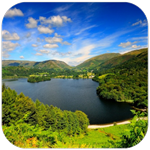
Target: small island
39	77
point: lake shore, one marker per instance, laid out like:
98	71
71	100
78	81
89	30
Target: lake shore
109	124
114	123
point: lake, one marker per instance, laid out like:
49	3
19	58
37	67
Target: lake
73	94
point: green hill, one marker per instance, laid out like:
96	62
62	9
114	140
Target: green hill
96	61
102	62
25	63
120	59
49	64
127	81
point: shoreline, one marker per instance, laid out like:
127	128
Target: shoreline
95	126
127	121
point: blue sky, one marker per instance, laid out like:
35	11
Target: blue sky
71	32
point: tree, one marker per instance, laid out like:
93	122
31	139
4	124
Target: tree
83	120
3	87
138	130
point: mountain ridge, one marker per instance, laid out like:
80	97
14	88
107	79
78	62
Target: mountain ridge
103	61
48	64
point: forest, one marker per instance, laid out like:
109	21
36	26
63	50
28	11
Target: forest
19	109
126	82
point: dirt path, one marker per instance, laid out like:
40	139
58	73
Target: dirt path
112	124
108	125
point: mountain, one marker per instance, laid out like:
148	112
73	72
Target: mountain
120	59
17	63
49	64
100	62
96	61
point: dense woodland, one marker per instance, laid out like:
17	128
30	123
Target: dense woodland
18	109
128	81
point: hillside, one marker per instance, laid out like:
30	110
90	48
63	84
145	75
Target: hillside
120	59
96	61
127	81
49	64
24	63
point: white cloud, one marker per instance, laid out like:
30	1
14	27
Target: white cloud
7	36
124	45
5	54
34	45
136	23
140	38
56	39
9	46
81	48
128	44
66	43
84	29
42	19
32	23
66	19
22	57
14	12
45	30
38	54
53	40
44	51
54	20
56	35
63	8
140	22
75	57
135	46
50	46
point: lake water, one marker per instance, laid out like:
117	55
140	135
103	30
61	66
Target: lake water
72	94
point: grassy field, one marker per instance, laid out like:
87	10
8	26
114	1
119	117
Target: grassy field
26	136
104	75
95	138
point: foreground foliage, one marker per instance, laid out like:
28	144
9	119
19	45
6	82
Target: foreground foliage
137	132
119	136
34	125
15	107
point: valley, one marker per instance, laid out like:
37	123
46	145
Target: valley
115	73
121	82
